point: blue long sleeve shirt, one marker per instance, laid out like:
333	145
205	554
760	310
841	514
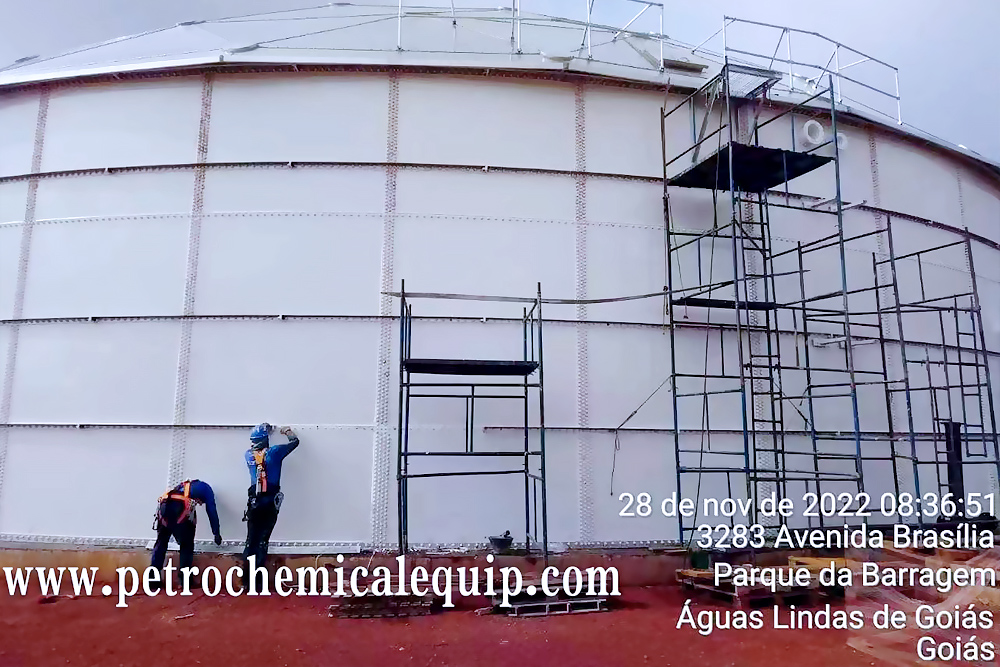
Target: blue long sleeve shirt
202	493
273	457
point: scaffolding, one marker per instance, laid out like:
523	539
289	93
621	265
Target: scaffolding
775	320
471	381
950	380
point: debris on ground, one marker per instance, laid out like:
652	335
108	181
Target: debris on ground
49	599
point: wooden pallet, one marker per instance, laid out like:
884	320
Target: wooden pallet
539	604
555	607
381	607
703	581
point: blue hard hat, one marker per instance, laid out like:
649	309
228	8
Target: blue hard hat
260	433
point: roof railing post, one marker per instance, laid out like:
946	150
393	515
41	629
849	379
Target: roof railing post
590	5
725	44
662	66
518	19
899	113
836	66
788	49
399	26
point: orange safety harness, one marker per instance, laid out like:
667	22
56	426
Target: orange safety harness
258	457
184	497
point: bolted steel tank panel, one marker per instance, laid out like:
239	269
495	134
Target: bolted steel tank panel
184	256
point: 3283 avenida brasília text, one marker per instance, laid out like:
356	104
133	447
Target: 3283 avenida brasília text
740	523
856	521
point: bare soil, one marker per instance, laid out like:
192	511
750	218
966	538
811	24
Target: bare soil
296	631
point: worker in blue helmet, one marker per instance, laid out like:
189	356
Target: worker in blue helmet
264	495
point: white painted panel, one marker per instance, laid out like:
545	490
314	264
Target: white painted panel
18	116
327	485
115	194
107	268
489	195
562	481
562	377
987	262
623	131
643	356
308	265
982	205
134	123
625	261
10	251
915	180
59	468
312	372
343	190
13	201
644	464
909	237
469	121
483	257
989	299
4	341
789	226
326	482
106	372
304	117
611	201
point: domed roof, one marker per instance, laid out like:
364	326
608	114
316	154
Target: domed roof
402	35
343	33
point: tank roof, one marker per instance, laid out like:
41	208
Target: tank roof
393	35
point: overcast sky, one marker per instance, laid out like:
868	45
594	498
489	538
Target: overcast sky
946	50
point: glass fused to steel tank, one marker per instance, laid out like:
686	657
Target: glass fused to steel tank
208	226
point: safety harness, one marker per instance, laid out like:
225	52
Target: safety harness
172	494
258	495
258	457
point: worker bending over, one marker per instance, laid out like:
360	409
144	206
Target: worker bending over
175	516
264	495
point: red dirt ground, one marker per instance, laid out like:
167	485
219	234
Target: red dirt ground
296	632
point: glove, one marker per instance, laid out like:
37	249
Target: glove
287	432
218	540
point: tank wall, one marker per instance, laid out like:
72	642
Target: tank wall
239	246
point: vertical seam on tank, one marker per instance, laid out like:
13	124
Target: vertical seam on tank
585	454
991	470
6	392
884	277
178	443
382	443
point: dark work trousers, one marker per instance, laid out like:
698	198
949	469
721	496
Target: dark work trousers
183	532
260	522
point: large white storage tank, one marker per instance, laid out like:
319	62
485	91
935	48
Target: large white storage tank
195	238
